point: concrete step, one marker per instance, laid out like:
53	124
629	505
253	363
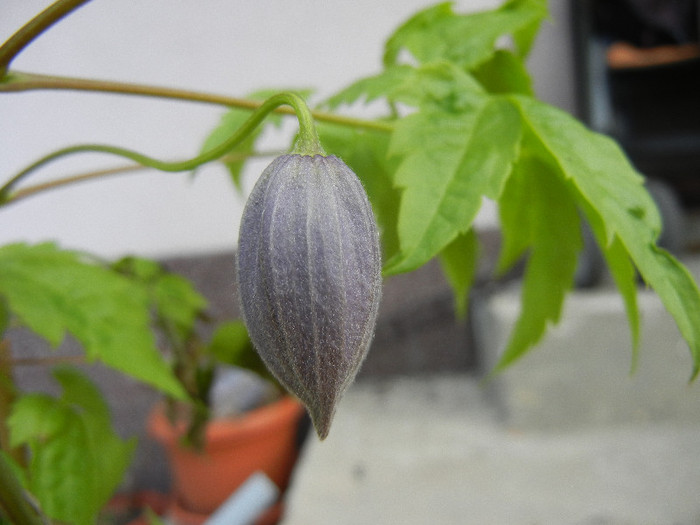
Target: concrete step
580	374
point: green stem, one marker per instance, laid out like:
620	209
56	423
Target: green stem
35	189
307	144
16	81
13	499
32	29
14	502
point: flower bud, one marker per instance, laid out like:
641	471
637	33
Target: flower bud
309	277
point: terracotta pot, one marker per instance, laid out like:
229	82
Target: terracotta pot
266	439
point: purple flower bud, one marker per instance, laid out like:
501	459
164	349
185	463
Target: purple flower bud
309	277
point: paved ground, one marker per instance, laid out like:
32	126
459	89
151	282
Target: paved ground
434	451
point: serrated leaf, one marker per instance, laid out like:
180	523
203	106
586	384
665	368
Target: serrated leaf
450	162
412	29
438	33
230	122
524	36
504	73
74	450
459	261
623	273
605	179
368	89
439	84
552	227
514	214
366	153
54	292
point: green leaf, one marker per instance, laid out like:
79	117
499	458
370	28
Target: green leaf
623	273
175	302
449	163
440	84
410	33
231	345
514	212
230	122
468	40
534	11
368	89
74	450
504	73
459	262
548	218
604	178
54	292
366	153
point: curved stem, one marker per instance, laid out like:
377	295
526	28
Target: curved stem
30	191
32	29
308	144
16	81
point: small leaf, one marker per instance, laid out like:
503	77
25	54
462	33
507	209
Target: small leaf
514	212
413	28
623	273
231	345
440	84
468	40
230	122
504	73
554	238
459	261
368	89
175	303
534	11
74	450
54	292
450	162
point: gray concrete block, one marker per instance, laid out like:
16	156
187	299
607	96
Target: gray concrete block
580	373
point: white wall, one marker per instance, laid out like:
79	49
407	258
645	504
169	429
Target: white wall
214	45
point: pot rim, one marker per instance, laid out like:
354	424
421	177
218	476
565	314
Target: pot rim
248	425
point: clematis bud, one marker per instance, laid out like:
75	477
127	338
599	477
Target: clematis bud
309	276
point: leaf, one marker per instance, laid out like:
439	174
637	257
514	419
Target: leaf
54	292
413	29
449	163
368	89
175	302
623	273
231	345
366	153
604	178
459	262
230	122
468	40
524	35
514	211
74	450
547	217
437	84
504	73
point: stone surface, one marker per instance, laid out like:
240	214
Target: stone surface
580	373
433	450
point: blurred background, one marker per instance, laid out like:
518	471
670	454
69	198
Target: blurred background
568	435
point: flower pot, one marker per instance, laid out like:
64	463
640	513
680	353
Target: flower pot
265	439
